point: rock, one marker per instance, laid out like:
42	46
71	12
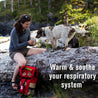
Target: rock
34	26
52	19
6	27
75	56
4	45
4	39
50	15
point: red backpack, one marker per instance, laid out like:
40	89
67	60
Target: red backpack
29	77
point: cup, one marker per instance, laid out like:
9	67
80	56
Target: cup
34	41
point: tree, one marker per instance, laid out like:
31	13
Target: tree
12	6
31	2
39	6
5	4
66	19
89	5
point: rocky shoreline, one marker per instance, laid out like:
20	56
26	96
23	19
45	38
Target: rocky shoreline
87	54
78	56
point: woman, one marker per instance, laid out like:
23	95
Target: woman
20	39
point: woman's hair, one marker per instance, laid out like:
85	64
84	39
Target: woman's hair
24	18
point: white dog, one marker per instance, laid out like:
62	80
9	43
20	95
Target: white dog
66	33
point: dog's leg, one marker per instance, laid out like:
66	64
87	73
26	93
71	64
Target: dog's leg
65	48
55	44
52	43
65	43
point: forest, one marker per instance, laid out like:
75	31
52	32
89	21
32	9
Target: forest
79	12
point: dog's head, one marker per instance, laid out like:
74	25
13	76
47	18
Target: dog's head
39	33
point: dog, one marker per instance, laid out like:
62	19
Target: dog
66	33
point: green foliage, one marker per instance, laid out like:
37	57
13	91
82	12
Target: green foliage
75	12
90	39
31	10
58	8
93	27
92	21
59	92
40	44
48	45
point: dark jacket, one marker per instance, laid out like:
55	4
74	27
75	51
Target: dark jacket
19	41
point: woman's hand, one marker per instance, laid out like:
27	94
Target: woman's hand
32	42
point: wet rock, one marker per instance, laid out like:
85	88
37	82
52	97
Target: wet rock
34	26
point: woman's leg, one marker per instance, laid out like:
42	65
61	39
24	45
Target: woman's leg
33	51
20	59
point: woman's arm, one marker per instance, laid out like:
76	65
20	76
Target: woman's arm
15	41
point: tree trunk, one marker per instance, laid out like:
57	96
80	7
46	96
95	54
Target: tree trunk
31	2
18	3
39	6
66	19
49	4
5	4
12	6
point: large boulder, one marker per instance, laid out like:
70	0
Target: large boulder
75	56
6	27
